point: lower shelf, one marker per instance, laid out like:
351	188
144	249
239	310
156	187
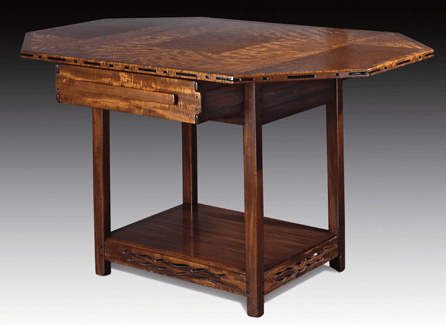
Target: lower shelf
206	245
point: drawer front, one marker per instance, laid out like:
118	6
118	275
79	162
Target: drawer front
135	93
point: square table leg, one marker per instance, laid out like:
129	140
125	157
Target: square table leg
189	139
335	163
253	170
101	187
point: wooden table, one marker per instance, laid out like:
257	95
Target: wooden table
194	70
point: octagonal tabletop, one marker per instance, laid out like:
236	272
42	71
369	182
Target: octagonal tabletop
224	50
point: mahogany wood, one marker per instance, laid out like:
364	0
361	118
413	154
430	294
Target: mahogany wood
190	178
252	158
335	163
176	267
283	99
223	50
221	102
133	93
279	93
213	239
194	70
218	237
101	187
175	99
301	264
140	95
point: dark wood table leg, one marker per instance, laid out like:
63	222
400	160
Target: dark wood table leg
189	135
101	187
190	189
335	162
253	169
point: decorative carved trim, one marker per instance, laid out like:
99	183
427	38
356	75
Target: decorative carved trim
162	268
300	267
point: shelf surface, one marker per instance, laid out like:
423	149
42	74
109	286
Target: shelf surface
215	237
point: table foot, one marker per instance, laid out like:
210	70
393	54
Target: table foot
338	264
255	306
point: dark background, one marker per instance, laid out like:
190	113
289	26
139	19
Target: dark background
395	153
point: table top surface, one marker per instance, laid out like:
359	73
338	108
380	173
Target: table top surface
224	50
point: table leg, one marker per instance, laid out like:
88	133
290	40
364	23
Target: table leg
190	189
101	187
253	170
189	135
335	163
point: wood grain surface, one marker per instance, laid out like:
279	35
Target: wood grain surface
335	173
101	186
253	185
162	97
216	237
282	99
223	50
301	264
189	162
176	267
